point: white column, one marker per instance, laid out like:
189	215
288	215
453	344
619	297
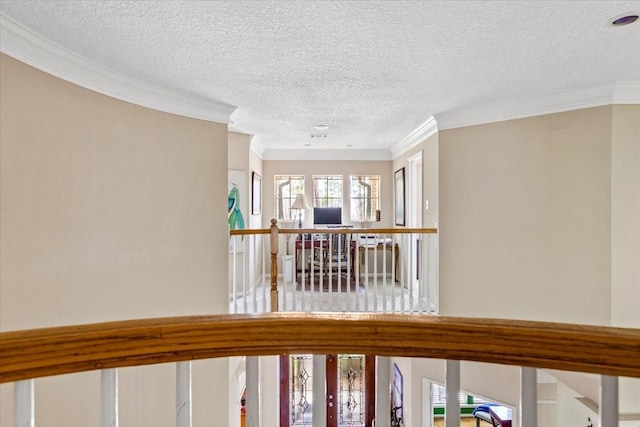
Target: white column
109	398
528	397
608	401
24	404
452	384
319	391
253	391
383	391
183	394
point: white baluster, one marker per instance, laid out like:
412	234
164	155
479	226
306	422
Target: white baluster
385	285
434	278
421	292
233	281
608	401
452	383
410	270
411	276
528	397
253	391
370	295
251	266
183	394
266	290
318	391
383	395
24	404
243	276
109	398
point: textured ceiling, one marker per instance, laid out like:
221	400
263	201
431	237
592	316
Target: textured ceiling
373	71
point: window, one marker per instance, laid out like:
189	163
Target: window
365	197
287	187
327	191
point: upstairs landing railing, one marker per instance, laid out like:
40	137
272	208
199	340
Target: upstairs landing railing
29	354
391	270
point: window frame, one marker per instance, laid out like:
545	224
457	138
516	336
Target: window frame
282	203
355	199
325	201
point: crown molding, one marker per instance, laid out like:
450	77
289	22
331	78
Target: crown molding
615	93
31	48
626	93
359	155
257	146
422	132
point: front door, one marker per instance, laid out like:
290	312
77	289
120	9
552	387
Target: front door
349	400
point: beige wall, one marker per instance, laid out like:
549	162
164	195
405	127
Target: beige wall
525	218
625	216
625	233
309	168
108	211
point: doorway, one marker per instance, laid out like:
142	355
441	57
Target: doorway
349	397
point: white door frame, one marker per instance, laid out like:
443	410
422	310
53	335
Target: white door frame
414	219
414	190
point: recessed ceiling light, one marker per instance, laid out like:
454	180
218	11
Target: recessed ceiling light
624	20
321	127
349	145
307	145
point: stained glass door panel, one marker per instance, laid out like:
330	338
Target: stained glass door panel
350	389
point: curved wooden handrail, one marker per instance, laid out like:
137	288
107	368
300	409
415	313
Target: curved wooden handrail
61	350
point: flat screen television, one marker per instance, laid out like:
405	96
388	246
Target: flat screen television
327	216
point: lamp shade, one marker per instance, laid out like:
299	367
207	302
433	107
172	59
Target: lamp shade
300	202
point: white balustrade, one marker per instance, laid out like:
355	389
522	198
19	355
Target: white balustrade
608	401
24	407
383	395
528	397
109	398
319	390
253	391
183	394
452	405
385	272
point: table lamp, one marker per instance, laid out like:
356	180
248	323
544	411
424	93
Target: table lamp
300	204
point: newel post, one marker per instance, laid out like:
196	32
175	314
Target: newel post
274	265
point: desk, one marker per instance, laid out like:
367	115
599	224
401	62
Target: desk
390	247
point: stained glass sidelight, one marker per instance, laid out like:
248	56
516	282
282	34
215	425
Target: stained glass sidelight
301	399
352	391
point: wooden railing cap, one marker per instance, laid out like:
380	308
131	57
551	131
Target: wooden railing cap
61	350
